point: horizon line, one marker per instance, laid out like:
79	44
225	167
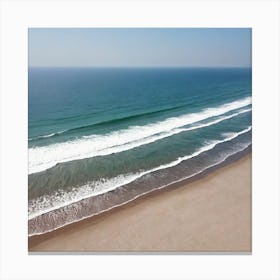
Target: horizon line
45	66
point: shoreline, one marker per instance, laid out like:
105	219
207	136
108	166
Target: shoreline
36	242
99	204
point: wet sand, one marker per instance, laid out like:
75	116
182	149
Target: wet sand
212	214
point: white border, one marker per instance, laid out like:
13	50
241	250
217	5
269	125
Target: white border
262	16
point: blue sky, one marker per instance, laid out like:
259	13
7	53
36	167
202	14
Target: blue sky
140	47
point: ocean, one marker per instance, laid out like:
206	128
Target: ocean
101	137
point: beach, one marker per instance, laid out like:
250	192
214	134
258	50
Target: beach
211	214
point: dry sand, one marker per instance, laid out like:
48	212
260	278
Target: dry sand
210	214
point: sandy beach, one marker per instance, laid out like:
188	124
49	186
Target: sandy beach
212	214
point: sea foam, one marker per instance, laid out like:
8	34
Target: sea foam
60	198
42	158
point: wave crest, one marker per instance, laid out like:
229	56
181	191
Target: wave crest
42	158
60	198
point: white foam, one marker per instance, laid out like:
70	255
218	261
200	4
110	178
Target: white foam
60	199
139	195
47	135
42	158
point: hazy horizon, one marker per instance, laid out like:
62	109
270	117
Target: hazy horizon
140	47
139	67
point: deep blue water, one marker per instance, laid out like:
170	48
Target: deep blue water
92	130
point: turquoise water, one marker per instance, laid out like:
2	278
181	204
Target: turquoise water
95	130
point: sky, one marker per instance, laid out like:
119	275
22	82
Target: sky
139	47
